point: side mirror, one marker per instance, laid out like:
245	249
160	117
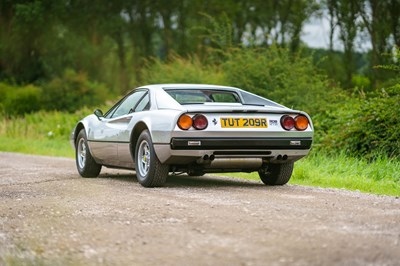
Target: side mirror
98	113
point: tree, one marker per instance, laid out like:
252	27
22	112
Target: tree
346	13
394	10
23	35
372	12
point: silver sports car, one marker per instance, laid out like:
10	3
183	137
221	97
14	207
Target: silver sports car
196	129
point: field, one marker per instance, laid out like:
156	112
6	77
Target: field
47	133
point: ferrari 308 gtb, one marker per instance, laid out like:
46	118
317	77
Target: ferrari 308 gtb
194	129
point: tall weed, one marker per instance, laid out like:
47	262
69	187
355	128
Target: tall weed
41	125
182	70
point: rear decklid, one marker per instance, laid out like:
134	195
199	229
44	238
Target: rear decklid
245	119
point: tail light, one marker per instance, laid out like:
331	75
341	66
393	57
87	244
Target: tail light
301	122
185	122
287	122
198	122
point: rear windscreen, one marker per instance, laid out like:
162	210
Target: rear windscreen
199	96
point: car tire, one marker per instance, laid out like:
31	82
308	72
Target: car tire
276	174
150	172
85	163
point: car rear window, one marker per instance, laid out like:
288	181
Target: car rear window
199	96
252	99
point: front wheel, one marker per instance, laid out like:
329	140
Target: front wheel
276	174
86	165
150	172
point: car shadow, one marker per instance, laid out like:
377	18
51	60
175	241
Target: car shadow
209	181
189	181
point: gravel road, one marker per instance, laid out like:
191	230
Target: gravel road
51	216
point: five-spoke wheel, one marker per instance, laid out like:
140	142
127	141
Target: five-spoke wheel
150	172
144	158
85	163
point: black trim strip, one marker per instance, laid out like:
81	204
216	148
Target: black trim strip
102	141
241	152
241	143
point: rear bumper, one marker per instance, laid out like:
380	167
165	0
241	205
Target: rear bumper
240	143
189	150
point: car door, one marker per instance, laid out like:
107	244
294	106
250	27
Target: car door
124	149
108	132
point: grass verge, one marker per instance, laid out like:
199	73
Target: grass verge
50	147
341	171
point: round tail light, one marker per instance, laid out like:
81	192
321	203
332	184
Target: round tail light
200	122
185	122
301	122
287	122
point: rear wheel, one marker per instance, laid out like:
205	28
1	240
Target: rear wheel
150	172
276	174
86	165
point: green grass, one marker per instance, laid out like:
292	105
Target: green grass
50	147
381	176
42	133
47	133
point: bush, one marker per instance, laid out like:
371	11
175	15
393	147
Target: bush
275	74
367	125
361	82
181	70
72	91
4	88
19	100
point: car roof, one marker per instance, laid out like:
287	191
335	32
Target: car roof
187	86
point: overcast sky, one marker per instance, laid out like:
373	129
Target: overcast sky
316	34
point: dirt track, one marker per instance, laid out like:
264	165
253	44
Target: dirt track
51	216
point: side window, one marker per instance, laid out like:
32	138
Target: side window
128	104
144	104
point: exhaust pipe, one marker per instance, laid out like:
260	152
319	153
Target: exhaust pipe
282	157
206	159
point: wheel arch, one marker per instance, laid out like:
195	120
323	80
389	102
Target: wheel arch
78	128
139	127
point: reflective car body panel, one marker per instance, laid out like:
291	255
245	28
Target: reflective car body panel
240	135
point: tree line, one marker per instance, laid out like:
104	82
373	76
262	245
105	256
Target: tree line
111	40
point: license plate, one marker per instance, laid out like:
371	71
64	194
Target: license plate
230	122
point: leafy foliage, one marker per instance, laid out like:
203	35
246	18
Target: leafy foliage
366	125
181	70
72	91
275	74
19	100
394	66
